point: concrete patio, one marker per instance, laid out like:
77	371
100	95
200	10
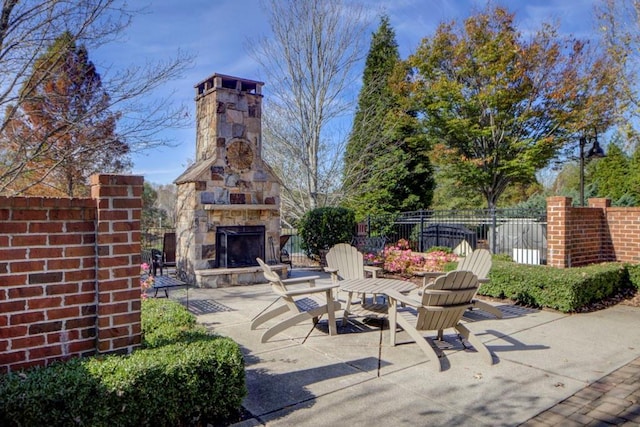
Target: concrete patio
306	377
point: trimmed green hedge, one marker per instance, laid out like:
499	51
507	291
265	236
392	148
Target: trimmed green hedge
186	377
321	228
566	290
165	322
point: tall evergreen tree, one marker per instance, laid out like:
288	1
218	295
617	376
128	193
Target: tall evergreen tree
152	215
611	174
64	126
634	178
386	167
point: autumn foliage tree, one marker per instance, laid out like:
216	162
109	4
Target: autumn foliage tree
500	106
64	128
44	126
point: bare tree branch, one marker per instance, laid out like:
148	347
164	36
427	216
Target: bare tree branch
309	69
28	28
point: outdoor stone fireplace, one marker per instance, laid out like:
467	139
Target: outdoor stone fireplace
238	246
228	204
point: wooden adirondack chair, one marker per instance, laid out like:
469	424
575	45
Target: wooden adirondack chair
346	262
442	306
300	304
479	263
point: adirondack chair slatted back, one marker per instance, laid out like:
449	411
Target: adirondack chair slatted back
449	296
277	286
478	262
347	260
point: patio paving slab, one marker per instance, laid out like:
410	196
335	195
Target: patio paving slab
547	363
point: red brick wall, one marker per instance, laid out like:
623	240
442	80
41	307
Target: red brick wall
586	235
69	274
623	225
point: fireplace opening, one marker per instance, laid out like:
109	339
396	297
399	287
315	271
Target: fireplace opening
239	246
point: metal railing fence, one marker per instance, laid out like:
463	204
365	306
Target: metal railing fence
519	233
151	238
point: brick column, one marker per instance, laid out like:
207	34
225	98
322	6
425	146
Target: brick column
558	244
119	207
601	203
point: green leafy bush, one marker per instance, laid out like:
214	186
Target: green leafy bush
321	228
634	275
59	395
566	290
184	377
165	322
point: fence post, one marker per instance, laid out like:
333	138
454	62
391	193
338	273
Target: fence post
494	230
420	241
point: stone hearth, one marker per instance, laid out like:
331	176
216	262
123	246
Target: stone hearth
228	190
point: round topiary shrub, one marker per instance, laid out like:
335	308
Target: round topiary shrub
321	228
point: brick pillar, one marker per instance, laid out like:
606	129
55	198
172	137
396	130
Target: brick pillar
601	203
558	244
119	208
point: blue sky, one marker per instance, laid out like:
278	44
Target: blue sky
216	31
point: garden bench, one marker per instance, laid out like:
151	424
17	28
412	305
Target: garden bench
448	235
164	283
369	244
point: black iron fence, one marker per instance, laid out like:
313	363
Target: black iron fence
519	233
152	237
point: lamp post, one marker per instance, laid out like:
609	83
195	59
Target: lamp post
594	152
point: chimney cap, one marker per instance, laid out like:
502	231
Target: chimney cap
218	80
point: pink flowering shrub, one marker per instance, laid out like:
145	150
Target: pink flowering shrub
372	258
400	259
146	280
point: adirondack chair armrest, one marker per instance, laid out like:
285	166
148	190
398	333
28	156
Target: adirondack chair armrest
485	280
404	299
429	274
307	291
334	274
373	270
297	280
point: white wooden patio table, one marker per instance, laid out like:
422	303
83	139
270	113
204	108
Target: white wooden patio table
372	286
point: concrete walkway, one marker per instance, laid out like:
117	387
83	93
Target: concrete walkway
550	368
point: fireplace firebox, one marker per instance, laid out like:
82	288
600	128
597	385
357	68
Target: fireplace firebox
239	246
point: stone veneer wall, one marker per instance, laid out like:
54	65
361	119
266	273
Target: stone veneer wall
70	274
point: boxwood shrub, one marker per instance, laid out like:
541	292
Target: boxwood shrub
165	322
188	377
566	290
634	275
321	228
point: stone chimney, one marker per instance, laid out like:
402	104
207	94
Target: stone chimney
228	208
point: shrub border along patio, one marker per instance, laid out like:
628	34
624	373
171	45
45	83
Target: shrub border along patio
183	376
566	290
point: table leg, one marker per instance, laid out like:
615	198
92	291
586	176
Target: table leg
346	309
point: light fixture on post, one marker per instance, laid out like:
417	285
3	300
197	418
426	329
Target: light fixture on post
594	152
